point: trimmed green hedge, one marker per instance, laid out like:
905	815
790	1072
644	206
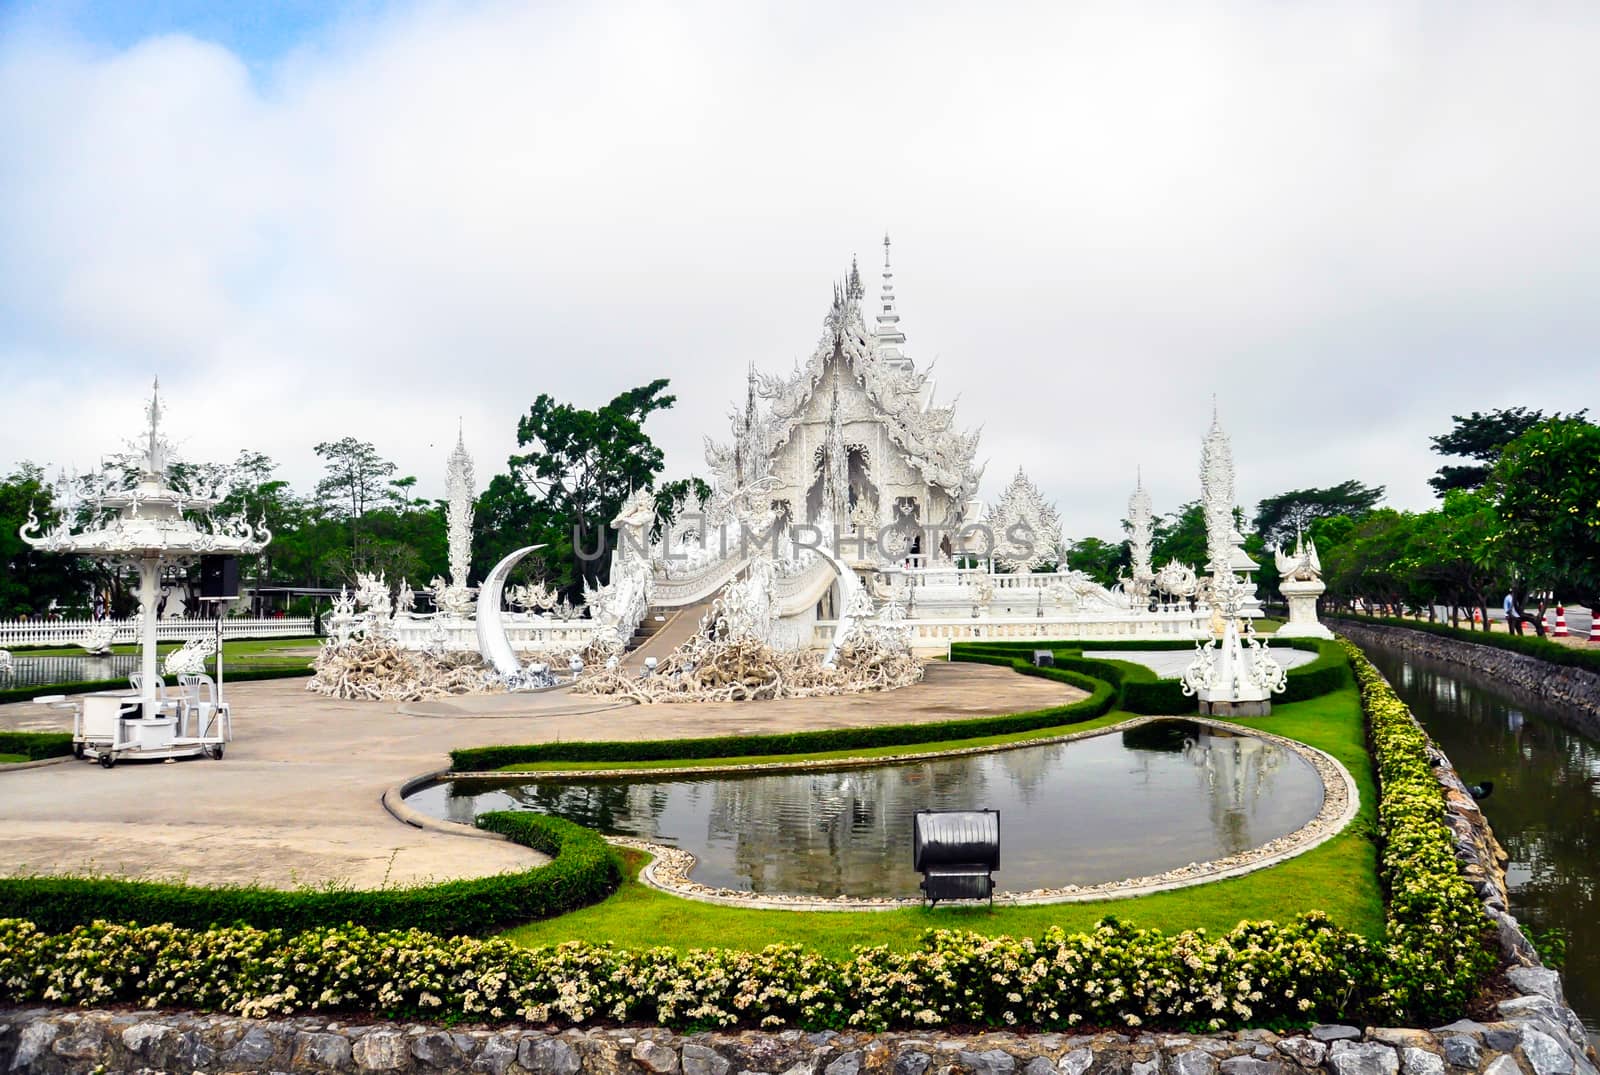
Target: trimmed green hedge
27	694
36	746
583	870
1100	701
1140	690
1529	645
1433	959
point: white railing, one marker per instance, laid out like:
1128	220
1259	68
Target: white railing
526	633
67	632
936	634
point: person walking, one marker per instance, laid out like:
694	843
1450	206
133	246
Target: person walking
1513	617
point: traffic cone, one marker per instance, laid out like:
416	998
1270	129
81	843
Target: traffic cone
1561	623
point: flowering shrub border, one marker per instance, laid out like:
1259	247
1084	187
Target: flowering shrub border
1431	961
583	869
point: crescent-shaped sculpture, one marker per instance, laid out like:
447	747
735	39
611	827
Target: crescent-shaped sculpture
492	641
849	587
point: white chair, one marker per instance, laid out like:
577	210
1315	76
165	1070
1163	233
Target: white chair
212	715
136	680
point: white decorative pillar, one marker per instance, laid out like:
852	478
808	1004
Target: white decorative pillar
149	592
1234	675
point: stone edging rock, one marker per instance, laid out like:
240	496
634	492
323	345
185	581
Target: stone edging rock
1576	690
52	1041
394	801
670	866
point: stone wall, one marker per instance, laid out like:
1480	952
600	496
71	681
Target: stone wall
1576	690
1532	1038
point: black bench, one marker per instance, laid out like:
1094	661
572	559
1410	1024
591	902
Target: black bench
957	852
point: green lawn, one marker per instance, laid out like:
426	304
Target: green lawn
1339	877
12	759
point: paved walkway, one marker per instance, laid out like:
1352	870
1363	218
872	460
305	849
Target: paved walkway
1170	663
297	799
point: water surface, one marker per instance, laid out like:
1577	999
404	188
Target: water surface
29	671
1114	806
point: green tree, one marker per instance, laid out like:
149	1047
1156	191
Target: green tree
1369	565
356	481
1547	489
1452	551
1279	518
31	582
1181	537
1103	561
254	493
1481	436
582	467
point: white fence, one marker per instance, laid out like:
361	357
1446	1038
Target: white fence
67	632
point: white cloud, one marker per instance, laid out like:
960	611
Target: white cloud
1348	223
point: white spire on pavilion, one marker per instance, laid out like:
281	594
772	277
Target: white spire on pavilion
889	337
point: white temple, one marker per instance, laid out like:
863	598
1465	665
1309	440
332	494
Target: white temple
845	495
853	437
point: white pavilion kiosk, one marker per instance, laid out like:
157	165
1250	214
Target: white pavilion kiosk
143	524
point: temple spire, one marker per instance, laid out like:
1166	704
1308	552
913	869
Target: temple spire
890	338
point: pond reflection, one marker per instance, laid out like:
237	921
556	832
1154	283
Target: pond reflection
1101	809
29	671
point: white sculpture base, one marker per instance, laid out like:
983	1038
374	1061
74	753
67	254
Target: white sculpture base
1302	598
1231	679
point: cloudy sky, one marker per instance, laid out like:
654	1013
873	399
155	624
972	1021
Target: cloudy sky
1348	221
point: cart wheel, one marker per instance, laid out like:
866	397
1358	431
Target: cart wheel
77	751
107	761
213	751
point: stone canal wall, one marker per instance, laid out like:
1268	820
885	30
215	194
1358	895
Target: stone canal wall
1575	690
1532	1039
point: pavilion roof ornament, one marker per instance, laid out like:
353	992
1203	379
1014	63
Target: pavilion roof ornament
141	514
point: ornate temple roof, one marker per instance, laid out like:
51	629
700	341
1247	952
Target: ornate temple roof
900	396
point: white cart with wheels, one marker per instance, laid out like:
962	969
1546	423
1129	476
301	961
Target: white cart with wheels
111	725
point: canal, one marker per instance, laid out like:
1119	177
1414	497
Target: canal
1545	806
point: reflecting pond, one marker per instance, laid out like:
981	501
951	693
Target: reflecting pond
1110	807
1545	807
29	671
